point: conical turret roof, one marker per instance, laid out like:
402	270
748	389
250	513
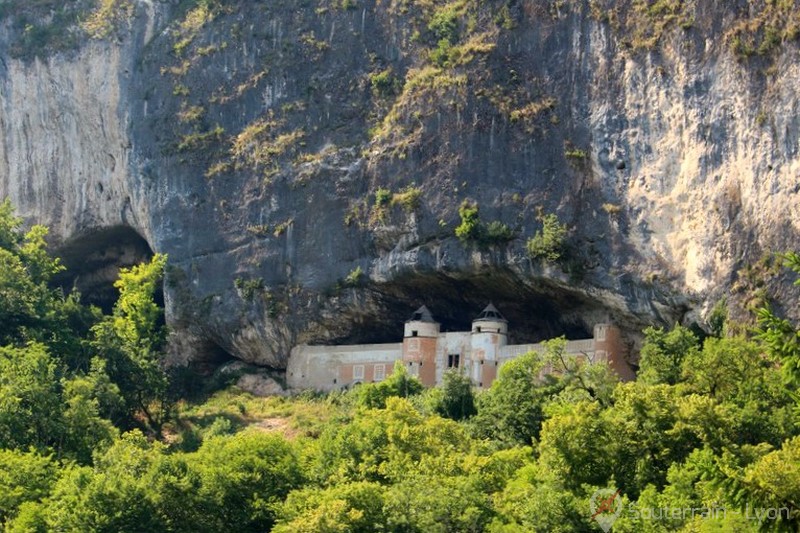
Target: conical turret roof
490	312
422	314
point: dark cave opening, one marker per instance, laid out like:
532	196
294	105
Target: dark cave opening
93	260
210	357
536	310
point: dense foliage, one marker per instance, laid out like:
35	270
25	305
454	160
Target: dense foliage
92	438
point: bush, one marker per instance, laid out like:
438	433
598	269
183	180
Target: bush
383	197
469	229
548	242
355	278
383	83
472	229
399	384
444	24
408	198
497	233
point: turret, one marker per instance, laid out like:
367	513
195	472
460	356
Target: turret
420	335
489	334
609	346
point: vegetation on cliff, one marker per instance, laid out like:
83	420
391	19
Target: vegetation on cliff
95	437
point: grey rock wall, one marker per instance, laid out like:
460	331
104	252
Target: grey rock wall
691	170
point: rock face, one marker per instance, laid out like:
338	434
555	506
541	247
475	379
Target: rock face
303	165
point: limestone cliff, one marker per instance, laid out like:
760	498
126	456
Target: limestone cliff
303	163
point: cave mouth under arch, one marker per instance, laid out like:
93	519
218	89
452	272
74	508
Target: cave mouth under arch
536	309
93	260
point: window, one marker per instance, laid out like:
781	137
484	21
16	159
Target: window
478	329
358	372
453	360
414	333
380	372
334	381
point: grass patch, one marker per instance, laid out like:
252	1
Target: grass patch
305	415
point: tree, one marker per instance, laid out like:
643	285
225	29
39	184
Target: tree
346	508
85	431
115	496
455	398
511	411
30	398
131	341
242	479
575	446
24	477
663	354
30	311
646	435
530	502
399	385
779	336
438	504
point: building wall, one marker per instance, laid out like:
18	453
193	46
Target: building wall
611	347
416	328
327	368
419	355
487	340
453	343
481	355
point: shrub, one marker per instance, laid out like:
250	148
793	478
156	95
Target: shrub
444	24
441	54
354	278
107	17
469	229
548	242
408	198
248	288
383	83
576	153
472	229
383	197
400	384
497	233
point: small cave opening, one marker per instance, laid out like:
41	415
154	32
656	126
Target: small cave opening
93	261
209	357
200	365
536	310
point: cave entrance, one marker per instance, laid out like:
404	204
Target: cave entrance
93	261
536	310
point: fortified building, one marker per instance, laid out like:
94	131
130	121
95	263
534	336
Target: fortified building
428	353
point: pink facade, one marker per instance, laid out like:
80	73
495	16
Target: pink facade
428	353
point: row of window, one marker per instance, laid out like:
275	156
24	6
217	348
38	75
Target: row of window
378	372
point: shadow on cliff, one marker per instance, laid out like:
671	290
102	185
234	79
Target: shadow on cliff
93	260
